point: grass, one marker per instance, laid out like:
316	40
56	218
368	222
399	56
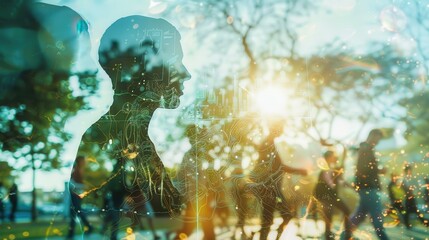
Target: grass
45	229
39	229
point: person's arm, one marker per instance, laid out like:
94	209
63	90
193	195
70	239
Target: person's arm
299	171
339	179
327	178
278	165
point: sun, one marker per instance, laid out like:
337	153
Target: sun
271	101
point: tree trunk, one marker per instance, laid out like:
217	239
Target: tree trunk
33	194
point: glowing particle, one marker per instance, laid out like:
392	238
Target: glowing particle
183	236
393	19
25	234
229	19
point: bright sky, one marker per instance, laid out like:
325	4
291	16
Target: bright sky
352	21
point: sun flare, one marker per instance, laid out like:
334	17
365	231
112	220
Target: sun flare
271	101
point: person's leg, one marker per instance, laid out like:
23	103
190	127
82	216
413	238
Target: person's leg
73	213
208	228
189	222
115	217
85	222
375	210
407	213
286	213
1	210
327	217
346	212
117	204
77	203
400	211
267	216
241	214
359	215
150	215
13	211
241	210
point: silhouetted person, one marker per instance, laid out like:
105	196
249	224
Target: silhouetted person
3	196
326	192
268	178
368	185
77	191
143	58
13	199
410	198
397	194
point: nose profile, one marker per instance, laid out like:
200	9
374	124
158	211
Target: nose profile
186	75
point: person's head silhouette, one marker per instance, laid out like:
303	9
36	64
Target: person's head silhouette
143	58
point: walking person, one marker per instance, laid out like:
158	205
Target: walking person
77	189
13	199
397	193
267	178
368	185
326	192
410	198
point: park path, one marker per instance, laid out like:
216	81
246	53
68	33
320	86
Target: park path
296	230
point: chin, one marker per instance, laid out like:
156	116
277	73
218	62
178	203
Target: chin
172	103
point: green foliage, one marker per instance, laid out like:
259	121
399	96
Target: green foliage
416	120
5	172
33	114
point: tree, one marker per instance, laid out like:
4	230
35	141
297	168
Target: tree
256	35
410	31
253	44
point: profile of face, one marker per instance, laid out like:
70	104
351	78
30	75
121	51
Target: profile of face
332	159
143	58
